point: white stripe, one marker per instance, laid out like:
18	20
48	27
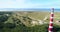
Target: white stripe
51	17
50	26
50	31
51	22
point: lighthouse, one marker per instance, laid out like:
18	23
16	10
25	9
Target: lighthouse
50	29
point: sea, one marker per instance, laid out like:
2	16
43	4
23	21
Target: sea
29	9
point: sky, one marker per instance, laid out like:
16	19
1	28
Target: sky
29	3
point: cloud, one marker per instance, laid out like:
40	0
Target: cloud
12	3
50	4
29	3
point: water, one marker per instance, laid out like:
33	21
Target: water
28	9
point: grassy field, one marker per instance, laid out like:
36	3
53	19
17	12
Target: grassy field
36	15
21	21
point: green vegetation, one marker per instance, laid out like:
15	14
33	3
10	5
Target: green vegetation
21	22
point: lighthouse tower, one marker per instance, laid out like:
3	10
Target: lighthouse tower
50	29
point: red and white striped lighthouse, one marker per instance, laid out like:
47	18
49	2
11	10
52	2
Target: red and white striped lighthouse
50	29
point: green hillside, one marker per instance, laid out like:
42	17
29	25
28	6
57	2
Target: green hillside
22	21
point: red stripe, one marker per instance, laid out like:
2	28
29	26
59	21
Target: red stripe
52	15
50	29
51	19
50	24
